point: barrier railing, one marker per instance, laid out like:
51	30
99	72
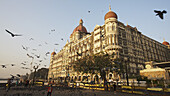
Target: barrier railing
128	89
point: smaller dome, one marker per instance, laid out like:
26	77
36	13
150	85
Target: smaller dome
53	53
165	43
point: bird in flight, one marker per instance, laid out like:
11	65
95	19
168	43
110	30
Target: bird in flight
38	56
47	53
88	11
3	66
62	39
56	44
12	33
23	64
31	39
160	13
79	54
53	30
12	64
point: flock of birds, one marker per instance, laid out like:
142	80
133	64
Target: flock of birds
31	53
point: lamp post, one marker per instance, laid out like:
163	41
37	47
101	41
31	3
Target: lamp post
126	59
35	69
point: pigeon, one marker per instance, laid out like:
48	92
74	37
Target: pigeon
23	64
29	56
47	53
56	44
18	75
79	54
38	56
160	13
25	48
12	33
31	39
3	66
53	30
40	60
12	64
34	49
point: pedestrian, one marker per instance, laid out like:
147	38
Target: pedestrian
114	85
8	85
50	89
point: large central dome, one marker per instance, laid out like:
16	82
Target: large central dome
80	27
110	14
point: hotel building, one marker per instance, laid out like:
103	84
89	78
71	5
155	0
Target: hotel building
113	37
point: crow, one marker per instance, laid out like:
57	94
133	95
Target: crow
160	13
12	33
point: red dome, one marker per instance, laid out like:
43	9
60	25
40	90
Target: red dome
80	27
110	14
53	53
165	43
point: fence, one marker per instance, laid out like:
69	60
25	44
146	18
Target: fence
127	89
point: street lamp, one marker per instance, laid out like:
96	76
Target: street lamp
35	69
126	59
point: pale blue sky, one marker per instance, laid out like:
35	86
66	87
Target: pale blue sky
36	18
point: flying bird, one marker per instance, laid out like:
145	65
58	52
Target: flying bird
53	30
31	39
12	64
3	66
160	13
34	49
40	60
62	39
23	64
79	54
56	44
88	11
30	56
25	48
38	56
47	53
18	75
12	33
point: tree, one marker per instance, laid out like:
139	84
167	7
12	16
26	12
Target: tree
97	62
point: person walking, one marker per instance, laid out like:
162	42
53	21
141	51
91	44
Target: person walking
50	89
8	85
114	86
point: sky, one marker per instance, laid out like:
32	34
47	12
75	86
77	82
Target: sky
36	18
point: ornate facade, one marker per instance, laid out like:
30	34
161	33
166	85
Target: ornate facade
124	41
